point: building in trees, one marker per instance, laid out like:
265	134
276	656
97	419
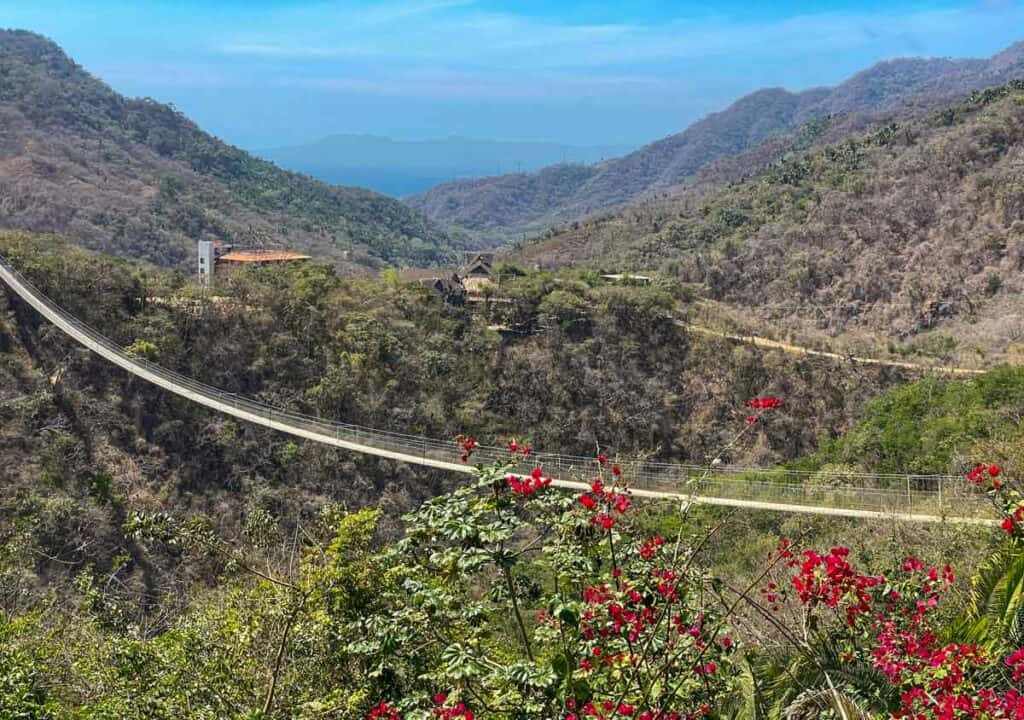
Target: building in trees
214	256
477	272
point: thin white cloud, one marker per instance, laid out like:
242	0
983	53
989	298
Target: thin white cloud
385	14
294	52
452	33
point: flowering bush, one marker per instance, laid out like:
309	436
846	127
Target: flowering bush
1006	496
608	625
887	625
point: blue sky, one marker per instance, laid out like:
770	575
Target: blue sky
263	73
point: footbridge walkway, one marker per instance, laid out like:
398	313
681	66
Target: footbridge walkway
912	498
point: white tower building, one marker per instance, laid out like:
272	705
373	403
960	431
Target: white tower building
207	259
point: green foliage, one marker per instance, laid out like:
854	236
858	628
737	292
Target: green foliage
23	694
144	349
932	426
487	598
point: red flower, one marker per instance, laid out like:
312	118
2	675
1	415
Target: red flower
993	470
1008	524
383	712
602	459
621	503
1016	661
752	419
616	470
765	403
513	446
466	445
649	548
526	486
588	502
459	710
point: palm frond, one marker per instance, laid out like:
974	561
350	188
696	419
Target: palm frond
824	702
994	614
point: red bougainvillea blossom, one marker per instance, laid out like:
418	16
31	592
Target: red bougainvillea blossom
1008	502
516	447
829	579
643	606
978	474
467	444
650	547
526	486
608	501
764	403
457	711
383	712
888	621
760	405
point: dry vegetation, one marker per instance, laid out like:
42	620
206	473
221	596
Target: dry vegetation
911	235
758	128
137	178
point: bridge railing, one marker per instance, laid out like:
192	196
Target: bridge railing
935	495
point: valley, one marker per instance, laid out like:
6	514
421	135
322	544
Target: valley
726	427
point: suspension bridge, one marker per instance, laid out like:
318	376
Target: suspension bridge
886	497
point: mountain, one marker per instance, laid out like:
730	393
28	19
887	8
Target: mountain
913	231
138	178
504	207
401	167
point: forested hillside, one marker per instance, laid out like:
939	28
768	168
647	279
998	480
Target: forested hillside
162	561
911	232
138	178
594	364
503	208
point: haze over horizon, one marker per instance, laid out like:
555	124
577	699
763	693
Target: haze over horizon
275	73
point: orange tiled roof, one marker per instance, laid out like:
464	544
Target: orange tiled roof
261	257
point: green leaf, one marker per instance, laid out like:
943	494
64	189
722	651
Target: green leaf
568	616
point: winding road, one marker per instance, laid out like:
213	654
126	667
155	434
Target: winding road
764	342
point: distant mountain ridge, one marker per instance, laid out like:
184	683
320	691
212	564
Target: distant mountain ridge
401	167
912	230
498	209
137	178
